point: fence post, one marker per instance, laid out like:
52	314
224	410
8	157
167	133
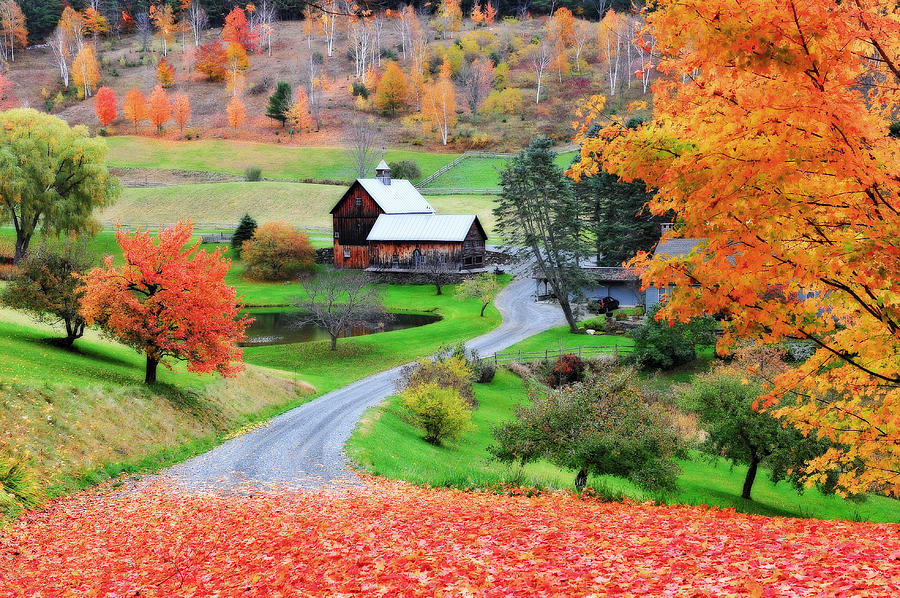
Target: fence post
546	354
617	351
495	359
520	355
579	351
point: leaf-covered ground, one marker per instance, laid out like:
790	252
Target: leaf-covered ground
388	538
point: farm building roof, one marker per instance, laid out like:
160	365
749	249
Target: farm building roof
676	247
400	197
422	227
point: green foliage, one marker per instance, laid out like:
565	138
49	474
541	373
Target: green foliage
894	129
603	426
19	488
724	400
359	89
405	169
52	176
483	370
41	17
253	174
483	287
245	230
280	102
659	345
48	286
440	411
447	371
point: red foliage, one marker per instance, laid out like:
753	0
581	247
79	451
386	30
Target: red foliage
237	29
393	539
105	105
569	368
210	60
169	301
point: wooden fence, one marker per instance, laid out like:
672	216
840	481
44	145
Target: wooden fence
546	355
204	228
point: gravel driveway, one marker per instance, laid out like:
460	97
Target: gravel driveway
304	447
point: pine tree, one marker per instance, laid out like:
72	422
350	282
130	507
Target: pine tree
245	230
41	17
280	102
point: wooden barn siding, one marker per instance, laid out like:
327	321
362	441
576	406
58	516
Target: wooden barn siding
381	253
354	223
359	256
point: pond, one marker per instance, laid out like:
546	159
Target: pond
273	327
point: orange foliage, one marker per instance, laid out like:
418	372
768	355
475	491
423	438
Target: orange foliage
168	301
439	105
490	13
768	148
237	30
277	251
159	109
135	106
94	22
392	90
299	117
164	20
236	112
392	539
105	106
181	110
237	63
477	14
86	71
210	60
165	73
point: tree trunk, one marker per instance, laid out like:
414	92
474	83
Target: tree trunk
150	375
483	307
334	342
580	480
73	332
21	246
437	287
751	476
570	316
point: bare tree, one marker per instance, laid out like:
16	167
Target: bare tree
541	56
198	21
60	49
361	141
476	78
266	16
144	28
439	273
340	301
313	83
582	33
361	40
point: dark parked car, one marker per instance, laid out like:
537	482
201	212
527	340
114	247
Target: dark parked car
604	305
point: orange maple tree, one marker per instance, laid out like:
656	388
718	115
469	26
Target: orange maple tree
393	539
237	62
210	60
86	71
439	105
299	116
105	105
237	30
168	301
135	106
159	108
770	142
236	113
165	73
181	110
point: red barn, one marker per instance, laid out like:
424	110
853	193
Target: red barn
386	224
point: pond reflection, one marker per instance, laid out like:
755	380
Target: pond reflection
282	327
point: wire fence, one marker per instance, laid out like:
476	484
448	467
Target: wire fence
208	228
552	354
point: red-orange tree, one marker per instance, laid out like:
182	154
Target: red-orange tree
105	105
770	142
168	301
210	60
237	30
159	108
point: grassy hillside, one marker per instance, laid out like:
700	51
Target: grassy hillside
385	444
233	157
300	204
78	416
483	173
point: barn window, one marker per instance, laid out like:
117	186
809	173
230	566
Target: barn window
337	234
346	253
359	202
467	261
479	260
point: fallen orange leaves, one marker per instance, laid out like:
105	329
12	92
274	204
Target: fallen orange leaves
392	539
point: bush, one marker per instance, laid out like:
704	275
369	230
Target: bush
359	89
506	102
483	370
567	370
252	174
661	346
447	372
596	323
277	251
18	488
405	169
440	411
389	53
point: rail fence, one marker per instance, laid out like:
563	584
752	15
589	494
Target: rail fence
208	229
466	155
459	191
548	354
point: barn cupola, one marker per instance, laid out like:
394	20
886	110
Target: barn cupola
383	173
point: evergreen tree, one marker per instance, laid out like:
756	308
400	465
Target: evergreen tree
41	17
244	231
280	102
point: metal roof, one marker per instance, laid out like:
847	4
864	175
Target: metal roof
400	197
422	227
382	166
676	247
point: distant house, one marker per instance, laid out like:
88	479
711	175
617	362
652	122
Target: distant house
668	248
384	224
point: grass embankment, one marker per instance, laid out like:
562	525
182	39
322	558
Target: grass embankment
483	173
299	204
559	338
83	415
233	157
386	444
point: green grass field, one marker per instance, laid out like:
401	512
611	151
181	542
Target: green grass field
483	173
385	444
560	338
233	157
300	204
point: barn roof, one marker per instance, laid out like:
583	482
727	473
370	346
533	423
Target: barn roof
400	197
423	227
676	247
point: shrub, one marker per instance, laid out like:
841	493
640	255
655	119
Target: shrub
659	345
405	169
389	53
440	411
447	372
596	323
18	488
568	369
252	174
484	371
359	89
277	251
506	102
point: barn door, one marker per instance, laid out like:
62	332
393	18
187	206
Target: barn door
417	258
